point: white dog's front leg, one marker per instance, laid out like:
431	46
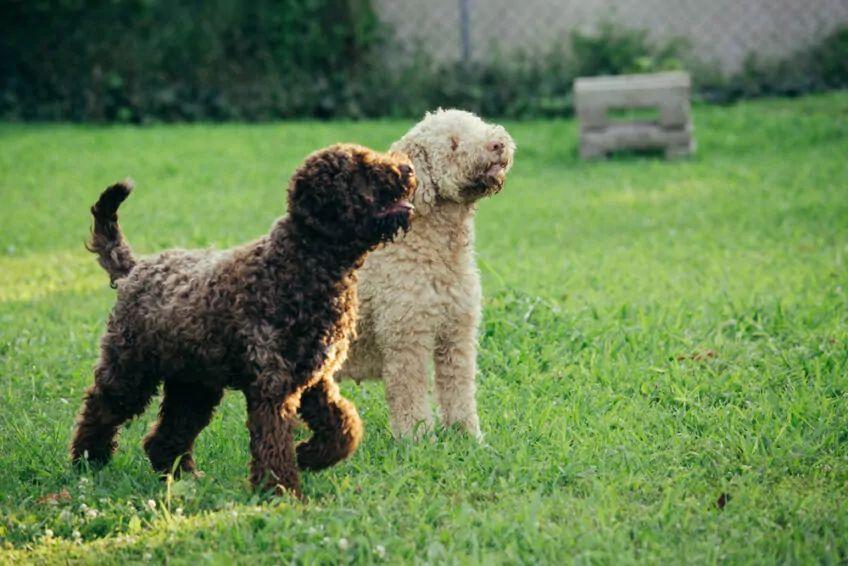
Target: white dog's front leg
405	376
456	370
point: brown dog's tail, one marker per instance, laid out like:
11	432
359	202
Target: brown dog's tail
107	241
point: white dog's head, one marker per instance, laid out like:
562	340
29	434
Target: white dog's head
457	156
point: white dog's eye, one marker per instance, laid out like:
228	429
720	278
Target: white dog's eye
454	142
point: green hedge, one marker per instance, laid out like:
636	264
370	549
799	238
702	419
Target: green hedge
821	67
146	60
178	60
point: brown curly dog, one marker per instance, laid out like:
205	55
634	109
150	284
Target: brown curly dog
271	318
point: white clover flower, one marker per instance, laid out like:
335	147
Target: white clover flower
312	530
83	507
48	533
179	512
92	513
147	556
326	540
343	544
76	535
151	505
65	515
380	550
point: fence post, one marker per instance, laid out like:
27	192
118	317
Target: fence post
464	31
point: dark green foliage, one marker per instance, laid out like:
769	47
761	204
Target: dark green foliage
615	50
147	60
132	60
520	84
831	59
818	68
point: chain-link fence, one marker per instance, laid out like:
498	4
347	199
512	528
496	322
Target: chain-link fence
723	33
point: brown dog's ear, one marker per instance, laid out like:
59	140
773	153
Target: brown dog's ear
361	185
319	193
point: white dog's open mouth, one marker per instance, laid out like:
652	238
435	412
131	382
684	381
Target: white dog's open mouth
488	182
496	169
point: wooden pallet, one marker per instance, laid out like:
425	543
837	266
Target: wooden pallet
668	93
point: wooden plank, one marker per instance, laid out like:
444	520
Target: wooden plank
638	136
672	79
668	93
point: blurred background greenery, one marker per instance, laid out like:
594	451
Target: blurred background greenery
154	60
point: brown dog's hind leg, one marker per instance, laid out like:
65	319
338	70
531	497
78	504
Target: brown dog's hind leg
186	409
335	423
273	463
118	394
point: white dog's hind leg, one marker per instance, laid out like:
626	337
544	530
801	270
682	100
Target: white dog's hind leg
456	370
405	376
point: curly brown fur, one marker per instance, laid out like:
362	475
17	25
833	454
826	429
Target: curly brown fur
271	318
107	241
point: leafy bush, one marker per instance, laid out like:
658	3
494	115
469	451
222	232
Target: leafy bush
220	59
143	60
524	84
615	50
830	59
140	60
818	68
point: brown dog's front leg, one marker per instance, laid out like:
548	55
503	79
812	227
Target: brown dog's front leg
273	462
335	424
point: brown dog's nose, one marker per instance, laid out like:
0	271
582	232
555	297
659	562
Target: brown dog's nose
405	170
495	147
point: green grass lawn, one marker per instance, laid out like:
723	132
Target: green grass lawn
663	362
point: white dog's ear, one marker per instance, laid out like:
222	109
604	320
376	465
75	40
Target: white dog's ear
425	194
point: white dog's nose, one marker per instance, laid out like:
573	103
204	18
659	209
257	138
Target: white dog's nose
495	147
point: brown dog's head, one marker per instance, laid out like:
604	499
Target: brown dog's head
349	194
458	156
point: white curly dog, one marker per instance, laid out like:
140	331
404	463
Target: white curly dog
420	296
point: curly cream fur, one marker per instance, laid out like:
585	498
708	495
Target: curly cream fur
420	296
